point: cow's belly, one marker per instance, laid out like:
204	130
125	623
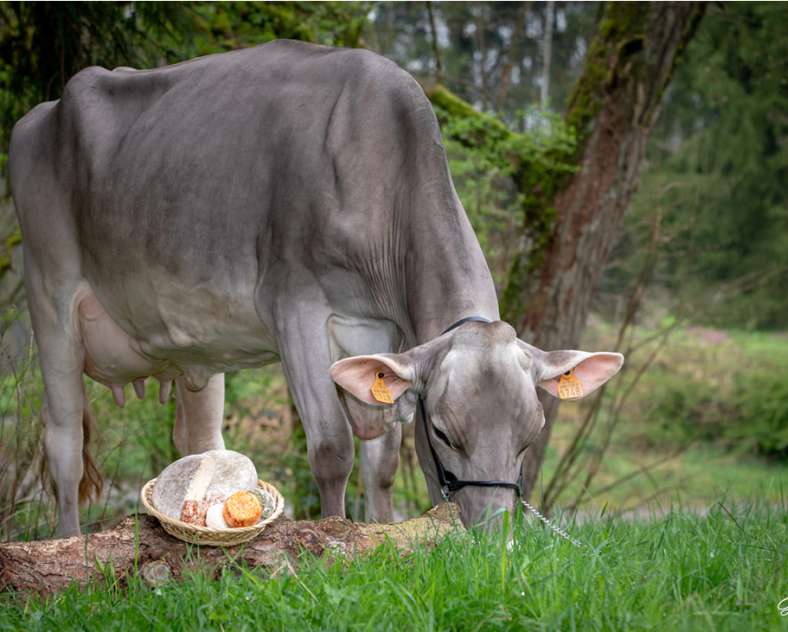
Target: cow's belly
167	347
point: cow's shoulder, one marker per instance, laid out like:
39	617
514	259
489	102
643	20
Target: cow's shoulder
388	77
356	66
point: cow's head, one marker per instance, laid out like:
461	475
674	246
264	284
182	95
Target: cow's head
478	384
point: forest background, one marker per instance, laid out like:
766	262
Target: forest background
692	287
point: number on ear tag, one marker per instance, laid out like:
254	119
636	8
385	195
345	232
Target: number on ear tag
569	387
380	391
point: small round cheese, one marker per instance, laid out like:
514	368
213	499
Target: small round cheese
242	509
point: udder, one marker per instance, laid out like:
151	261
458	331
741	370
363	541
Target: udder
111	355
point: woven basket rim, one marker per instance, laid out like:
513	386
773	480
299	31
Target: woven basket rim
231	533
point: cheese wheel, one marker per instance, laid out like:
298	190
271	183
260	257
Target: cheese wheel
210	477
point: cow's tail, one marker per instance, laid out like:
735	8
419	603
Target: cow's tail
91	483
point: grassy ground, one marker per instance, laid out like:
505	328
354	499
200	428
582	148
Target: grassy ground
678	572
709	400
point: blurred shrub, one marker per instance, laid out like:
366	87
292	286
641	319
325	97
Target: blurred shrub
761	403
718	170
684	409
732	393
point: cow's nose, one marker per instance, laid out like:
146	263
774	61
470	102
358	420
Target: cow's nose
482	509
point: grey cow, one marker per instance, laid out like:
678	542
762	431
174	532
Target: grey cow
287	202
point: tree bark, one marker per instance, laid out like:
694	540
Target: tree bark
139	544
613	109
571	221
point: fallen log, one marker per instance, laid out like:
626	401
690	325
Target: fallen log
139	543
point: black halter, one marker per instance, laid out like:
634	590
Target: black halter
448	481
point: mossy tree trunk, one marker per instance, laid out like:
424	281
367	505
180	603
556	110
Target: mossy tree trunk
572	220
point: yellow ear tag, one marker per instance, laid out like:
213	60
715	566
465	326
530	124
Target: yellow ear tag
380	391
569	387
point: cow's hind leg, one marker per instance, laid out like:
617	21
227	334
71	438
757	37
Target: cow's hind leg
75	476
199	416
65	409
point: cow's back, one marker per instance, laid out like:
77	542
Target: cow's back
187	166
191	179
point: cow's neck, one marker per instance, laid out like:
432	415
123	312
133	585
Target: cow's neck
447	274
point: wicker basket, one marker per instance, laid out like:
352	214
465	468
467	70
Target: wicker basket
212	537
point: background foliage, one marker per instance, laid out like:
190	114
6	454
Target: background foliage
718	166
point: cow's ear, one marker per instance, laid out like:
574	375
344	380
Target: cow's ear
359	375
579	372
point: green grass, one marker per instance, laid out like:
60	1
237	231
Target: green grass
679	572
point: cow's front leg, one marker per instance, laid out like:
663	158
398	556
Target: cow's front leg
330	453
199	416
379	462
351	336
329	440
306	362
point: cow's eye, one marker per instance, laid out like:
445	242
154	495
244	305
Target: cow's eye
442	436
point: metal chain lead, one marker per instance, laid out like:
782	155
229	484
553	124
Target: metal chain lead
550	525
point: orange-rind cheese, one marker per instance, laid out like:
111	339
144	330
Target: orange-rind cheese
242	509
